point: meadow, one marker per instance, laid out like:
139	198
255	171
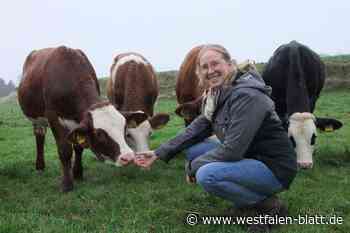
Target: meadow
131	200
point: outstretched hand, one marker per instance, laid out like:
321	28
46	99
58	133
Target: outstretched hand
145	159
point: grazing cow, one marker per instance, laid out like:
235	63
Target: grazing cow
188	89
133	86
60	89
297	75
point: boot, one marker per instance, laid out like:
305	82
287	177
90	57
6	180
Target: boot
241	212
271	206
247	211
257	228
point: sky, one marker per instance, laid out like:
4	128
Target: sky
165	31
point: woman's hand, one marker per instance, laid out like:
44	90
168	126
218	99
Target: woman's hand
145	159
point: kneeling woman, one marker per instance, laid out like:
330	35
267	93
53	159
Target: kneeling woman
254	159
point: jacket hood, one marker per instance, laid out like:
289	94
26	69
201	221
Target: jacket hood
249	79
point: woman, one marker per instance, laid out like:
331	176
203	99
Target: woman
254	159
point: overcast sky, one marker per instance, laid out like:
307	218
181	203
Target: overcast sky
164	31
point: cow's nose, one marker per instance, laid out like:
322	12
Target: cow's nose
305	165
125	159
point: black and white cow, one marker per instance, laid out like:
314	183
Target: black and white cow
297	75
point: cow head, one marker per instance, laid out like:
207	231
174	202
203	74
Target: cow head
302	133
103	131
137	135
189	110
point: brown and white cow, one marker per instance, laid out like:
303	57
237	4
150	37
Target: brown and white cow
133	86
60	89
188	89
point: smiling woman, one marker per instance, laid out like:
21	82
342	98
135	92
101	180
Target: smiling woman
252	159
215	68
214	65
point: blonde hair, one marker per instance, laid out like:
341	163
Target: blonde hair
217	48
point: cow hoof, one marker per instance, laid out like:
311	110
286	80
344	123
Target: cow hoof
40	172
67	187
77	173
40	167
78	177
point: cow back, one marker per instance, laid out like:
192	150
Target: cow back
60	80
30	90
133	85
188	87
296	75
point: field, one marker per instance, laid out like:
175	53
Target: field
132	200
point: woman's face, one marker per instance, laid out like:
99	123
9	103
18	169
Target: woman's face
213	68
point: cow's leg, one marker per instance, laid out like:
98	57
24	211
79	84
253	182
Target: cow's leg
39	132
78	167
65	152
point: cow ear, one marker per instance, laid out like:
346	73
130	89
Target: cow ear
78	136
133	119
183	110
328	124
187	110
159	120
190	110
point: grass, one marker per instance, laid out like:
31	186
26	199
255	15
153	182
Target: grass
132	200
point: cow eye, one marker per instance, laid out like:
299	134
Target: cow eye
293	141
100	135
313	139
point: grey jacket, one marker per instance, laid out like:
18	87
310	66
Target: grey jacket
246	123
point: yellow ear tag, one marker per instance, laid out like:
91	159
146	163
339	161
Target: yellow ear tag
81	139
328	128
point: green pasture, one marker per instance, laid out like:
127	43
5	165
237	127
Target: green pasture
131	200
